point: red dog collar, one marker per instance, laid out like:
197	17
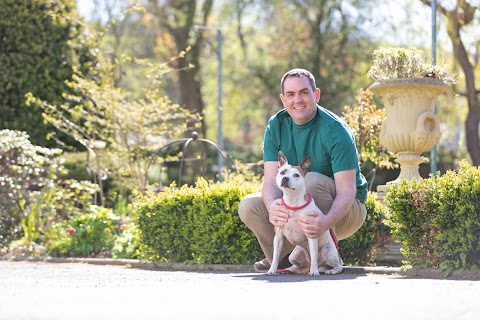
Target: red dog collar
298	208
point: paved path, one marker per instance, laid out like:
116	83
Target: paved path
38	290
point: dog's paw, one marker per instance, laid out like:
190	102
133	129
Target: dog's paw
271	273
314	273
334	271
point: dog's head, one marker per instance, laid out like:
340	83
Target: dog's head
291	177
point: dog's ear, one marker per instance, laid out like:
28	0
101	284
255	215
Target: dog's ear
282	160
305	165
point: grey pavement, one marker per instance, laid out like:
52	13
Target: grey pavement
72	290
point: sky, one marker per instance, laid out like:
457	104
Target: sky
414	22
420	15
85	7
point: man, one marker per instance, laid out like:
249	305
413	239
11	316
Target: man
339	189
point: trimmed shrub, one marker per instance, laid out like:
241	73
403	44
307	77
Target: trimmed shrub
359	249
411	213
201	224
164	225
197	224
438	219
218	235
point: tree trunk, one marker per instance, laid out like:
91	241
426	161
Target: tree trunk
178	17
455	21
462	15
189	79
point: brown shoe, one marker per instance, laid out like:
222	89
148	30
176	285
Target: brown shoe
263	265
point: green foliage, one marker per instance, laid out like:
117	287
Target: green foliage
221	237
115	129
41	43
29	224
365	120
126	244
35	201
411	213
164	224
63	222
25	169
438	220
76	165
53	206
91	233
459	201
197	224
360	248
391	63
201	224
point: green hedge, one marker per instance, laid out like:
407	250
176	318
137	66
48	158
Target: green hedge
201	224
438	219
359	249
197	224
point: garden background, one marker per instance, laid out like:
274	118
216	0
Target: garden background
99	91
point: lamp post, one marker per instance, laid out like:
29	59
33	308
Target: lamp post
433	152
220	92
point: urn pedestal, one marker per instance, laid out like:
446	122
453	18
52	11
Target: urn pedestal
411	127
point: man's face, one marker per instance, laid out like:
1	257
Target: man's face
299	99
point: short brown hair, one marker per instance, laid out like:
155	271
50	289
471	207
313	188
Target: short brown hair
297	72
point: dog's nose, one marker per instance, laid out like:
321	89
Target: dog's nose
285	181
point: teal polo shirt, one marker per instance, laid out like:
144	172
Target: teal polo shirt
326	138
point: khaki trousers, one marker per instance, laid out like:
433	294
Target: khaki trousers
254	214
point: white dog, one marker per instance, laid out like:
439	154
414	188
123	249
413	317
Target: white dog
321	251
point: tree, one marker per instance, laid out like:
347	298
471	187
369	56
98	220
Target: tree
128	30
459	17
262	42
178	18
41	43
98	115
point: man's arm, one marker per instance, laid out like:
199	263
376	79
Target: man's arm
345	186
271	194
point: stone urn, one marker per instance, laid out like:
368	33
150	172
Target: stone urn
411	126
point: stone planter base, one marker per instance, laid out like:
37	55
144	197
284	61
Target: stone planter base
389	255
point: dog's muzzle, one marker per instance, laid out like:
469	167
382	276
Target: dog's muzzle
285	181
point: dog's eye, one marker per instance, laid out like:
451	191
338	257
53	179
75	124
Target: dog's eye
296	175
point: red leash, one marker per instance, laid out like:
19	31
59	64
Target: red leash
334	240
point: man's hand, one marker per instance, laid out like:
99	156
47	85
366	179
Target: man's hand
278	214
314	224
